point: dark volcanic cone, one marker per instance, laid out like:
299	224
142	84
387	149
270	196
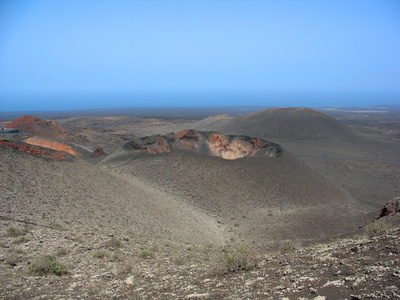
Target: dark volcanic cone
282	123
258	192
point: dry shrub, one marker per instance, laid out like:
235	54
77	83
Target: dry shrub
146	254
114	243
100	254
290	246
13	259
376	228
14	232
234	260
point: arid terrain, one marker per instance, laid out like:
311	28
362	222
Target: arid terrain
242	204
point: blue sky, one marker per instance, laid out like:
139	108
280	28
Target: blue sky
57	55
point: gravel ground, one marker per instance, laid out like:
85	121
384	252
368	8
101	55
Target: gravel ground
123	265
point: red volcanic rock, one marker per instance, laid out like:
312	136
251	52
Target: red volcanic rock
153	145
41	127
390	208
187	140
39	151
98	152
37	141
208	143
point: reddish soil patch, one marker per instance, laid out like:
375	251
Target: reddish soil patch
41	127
39	151
36	141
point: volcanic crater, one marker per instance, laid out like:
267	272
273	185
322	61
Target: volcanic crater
207	143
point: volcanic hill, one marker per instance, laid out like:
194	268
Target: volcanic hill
281	123
48	134
40	127
255	198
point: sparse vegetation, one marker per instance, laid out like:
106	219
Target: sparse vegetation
47	266
59	227
146	254
145	228
126	268
15	232
235	260
22	240
154	248
100	254
179	261
289	246
13	259
61	252
116	257
77	239
376	228
114	243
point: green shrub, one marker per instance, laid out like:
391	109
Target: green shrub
46	266
14	232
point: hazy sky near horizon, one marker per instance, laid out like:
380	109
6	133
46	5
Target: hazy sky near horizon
69	54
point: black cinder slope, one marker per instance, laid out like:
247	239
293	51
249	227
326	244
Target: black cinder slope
254	199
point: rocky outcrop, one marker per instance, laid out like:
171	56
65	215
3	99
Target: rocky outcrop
98	152
39	151
207	143
390	208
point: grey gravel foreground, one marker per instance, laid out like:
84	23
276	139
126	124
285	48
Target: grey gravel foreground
128	266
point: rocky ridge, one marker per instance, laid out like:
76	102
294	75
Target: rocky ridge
208	143
46	143
36	150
